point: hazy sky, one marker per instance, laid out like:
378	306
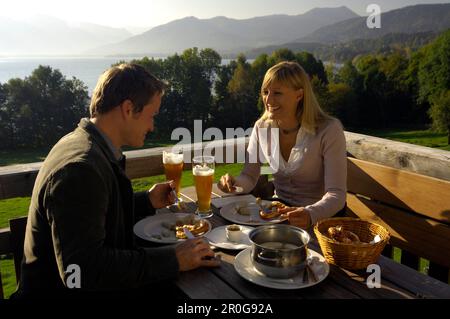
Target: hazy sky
149	13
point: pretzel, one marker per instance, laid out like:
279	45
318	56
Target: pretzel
195	229
275	208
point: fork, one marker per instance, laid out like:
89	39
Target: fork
259	203
178	202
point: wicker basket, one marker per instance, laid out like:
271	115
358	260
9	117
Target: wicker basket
351	256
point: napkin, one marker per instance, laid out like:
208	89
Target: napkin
222	201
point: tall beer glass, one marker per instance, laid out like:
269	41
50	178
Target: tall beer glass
173	168
203	171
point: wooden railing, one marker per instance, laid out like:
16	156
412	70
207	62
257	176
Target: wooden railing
18	180
433	165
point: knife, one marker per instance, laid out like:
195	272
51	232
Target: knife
188	233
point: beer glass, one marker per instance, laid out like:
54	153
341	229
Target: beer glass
173	168
203	171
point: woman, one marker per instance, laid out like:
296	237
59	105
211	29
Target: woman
304	147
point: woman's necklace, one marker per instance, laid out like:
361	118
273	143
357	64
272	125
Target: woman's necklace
291	130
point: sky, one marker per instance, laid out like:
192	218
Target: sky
150	13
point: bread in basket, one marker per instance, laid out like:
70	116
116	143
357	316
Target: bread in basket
352	255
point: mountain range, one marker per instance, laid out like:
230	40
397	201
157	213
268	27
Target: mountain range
319	27
412	19
227	35
51	36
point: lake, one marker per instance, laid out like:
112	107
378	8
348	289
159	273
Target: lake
86	69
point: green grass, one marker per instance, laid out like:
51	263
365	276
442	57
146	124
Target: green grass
12	208
22	156
8	275
16	207
420	137
141	184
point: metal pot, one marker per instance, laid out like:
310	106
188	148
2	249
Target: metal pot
279	251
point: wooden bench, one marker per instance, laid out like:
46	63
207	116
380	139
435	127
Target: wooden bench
413	207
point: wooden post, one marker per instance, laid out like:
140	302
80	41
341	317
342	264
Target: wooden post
410	260
439	272
388	251
17	226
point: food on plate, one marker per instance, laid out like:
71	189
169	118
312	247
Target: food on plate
338	233
198	228
175	228
243	209
272	210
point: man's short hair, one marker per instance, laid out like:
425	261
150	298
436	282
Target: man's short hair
124	82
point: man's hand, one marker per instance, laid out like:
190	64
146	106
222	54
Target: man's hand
160	195
297	216
194	253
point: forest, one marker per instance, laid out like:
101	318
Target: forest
372	91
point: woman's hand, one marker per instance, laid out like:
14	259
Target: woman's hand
227	183
297	216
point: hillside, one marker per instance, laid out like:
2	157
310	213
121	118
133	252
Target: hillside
225	34
412	19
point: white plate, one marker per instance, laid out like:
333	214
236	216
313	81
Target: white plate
244	266
152	225
229	212
218	237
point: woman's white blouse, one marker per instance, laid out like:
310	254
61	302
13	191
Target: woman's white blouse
314	177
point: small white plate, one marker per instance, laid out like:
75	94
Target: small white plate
244	266
230	213
150	227
218	237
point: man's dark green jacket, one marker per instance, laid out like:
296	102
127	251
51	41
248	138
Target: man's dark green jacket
82	212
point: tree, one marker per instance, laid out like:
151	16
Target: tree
5	121
312	66
259	69
242	91
440	113
154	66
222	107
349	75
190	77
320	90
281	55
342	103
434	69
374	109
42	107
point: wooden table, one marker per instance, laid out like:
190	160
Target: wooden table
397	280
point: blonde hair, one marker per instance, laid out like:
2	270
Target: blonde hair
309	112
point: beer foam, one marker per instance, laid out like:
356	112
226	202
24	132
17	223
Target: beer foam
199	170
171	158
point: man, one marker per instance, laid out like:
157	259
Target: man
83	208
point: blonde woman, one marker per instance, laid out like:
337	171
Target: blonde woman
304	147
